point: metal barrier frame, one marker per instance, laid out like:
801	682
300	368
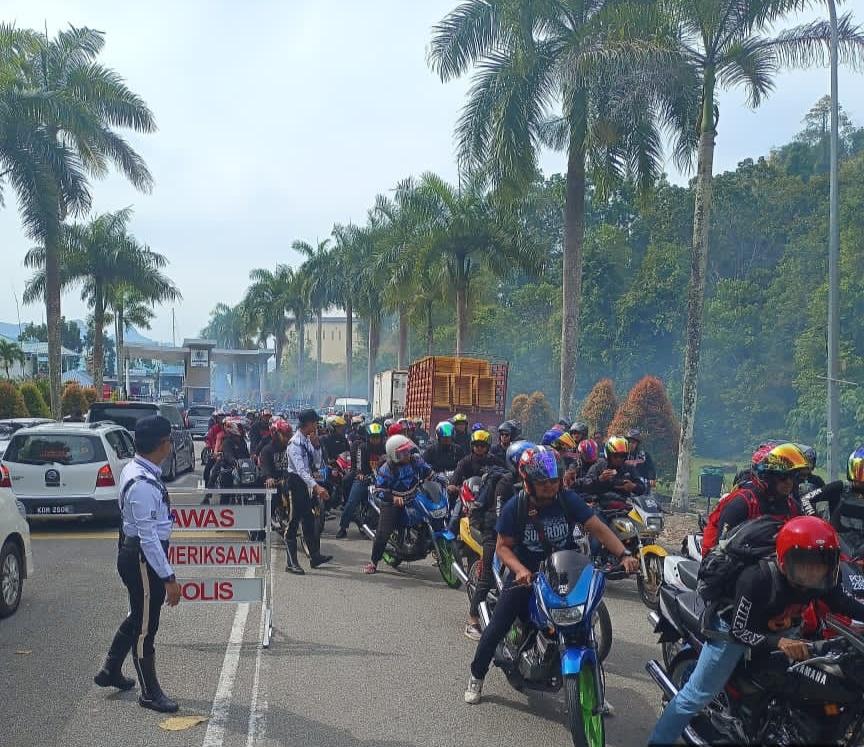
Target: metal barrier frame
266	565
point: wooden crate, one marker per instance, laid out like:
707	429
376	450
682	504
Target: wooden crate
473	367
463	391
441	390
486	394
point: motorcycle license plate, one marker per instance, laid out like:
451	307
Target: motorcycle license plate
438	513
53	510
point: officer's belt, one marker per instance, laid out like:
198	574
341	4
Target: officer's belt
135	543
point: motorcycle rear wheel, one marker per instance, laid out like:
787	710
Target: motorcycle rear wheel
445	563
649	588
584	709
473	577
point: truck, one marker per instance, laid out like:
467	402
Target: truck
441	386
388	393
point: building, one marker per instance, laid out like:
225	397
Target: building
36	360
332	339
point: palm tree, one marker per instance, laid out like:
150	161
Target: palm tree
722	44
465	228
346	260
576	56
269	299
101	255
318	270
10	352
231	326
83	103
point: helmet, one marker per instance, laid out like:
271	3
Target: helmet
564	423
481	437
232	426
762	450
540	463
335	421
579	427
809	454
804	543
398	446
357	420
564	442
459	418
855	466
511	428
781	461
404	422
395	429
374	429
477	427
444	429
616	445
470	490
515	452
388	422
550	436
418	422
278	425
265	413
588	451
634	434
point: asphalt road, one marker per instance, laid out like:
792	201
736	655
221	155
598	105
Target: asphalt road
356	661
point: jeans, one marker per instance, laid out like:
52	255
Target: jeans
390	514
359	491
487	577
716	664
512	603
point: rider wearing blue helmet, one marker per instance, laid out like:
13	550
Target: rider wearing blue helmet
539	519
444	454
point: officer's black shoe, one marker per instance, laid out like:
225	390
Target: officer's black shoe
108	677
293	565
320	560
111	674
152	696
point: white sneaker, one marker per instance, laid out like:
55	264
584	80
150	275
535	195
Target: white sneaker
608	709
472	631
474	691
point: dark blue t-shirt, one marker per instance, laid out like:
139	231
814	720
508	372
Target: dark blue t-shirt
528	548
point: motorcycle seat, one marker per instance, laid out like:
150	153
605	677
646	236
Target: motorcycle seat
691	607
688	570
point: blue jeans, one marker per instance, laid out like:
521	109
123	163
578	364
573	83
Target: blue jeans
359	490
716	664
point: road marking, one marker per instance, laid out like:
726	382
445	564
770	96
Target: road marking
258	709
224	690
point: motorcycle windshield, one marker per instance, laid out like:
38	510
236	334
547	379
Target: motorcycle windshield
565	572
432	497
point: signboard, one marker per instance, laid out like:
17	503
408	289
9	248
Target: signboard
225	590
199	358
216	554
218	517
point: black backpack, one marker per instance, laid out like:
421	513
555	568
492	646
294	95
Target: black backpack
745	545
485	499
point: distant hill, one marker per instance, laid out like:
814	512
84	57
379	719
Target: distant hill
11	331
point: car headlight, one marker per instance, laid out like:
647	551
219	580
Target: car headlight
22	509
567	615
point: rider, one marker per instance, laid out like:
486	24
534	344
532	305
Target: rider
402	472
444	454
639	460
767	492
610	477
508	432
808	480
475	463
213	435
272	459
366	455
260	428
421	435
335	442
769	599
233	448
461	436
550	515
579	431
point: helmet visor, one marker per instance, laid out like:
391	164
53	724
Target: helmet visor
812	569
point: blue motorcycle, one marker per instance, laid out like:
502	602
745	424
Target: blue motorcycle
557	646
421	530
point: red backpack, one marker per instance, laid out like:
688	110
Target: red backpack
747	491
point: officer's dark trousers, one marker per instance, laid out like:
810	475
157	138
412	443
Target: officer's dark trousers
301	513
146	597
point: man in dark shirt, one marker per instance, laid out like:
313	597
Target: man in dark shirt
639	460
366	456
461	435
474	464
508	432
444	454
273	461
260	428
335	442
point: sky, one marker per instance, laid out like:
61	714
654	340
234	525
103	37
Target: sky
279	118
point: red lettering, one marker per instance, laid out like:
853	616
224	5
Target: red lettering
191	591
227	518
255	555
226	591
172	555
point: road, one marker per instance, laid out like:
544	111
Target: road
356	661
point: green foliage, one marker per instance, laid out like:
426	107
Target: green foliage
90	394
534	412
600	406
10	354
70	334
44	387
34	401
74	399
11	402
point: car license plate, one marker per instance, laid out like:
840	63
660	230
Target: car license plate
53	510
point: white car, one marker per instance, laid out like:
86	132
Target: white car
10	425
66	470
16	559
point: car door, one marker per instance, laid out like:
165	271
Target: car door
180	438
122	448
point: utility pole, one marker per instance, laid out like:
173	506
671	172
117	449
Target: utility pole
834	261
173	330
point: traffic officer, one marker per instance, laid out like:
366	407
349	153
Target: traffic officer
142	562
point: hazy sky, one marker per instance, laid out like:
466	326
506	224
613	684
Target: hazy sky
277	119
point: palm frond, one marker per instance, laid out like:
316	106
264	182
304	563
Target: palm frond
808	45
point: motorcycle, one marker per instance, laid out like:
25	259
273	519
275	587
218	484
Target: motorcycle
557	646
206	454
468	545
768	701
421	530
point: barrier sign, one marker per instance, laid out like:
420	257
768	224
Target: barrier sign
218	517
226	590
211	554
245	513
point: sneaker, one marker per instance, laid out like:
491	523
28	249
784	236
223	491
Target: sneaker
370	568
472	631
474	691
342	533
608	709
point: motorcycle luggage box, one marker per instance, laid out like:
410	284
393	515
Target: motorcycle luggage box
690	608
688	571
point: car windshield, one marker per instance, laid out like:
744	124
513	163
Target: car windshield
51	448
201	412
125	416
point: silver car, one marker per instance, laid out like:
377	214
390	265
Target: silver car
198	418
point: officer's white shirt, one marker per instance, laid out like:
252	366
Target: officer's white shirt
300	452
146	514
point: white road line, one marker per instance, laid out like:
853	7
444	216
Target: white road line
258	708
222	701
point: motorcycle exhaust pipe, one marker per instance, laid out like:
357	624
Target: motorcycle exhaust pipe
660	677
368	532
484	615
457	569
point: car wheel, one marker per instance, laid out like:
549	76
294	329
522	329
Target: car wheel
172	473
11	578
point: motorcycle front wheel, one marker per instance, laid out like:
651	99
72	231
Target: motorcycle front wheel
649	585
602	625
584	709
445	563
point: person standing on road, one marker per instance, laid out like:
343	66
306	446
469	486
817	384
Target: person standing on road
304	459
142	563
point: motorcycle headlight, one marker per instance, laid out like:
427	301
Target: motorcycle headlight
624	528
655	524
567	615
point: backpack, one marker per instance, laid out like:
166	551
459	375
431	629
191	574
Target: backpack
746	544
711	533
486	494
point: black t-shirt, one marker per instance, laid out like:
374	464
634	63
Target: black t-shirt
334	445
273	461
473	466
441	458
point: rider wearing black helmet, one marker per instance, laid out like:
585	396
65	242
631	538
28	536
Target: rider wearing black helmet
508	432
639	460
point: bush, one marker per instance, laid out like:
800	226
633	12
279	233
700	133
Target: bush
91	395
11	402
44	386
534	412
74	399
34	401
648	408
600	406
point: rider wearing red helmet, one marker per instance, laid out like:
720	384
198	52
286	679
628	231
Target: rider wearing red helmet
770	597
